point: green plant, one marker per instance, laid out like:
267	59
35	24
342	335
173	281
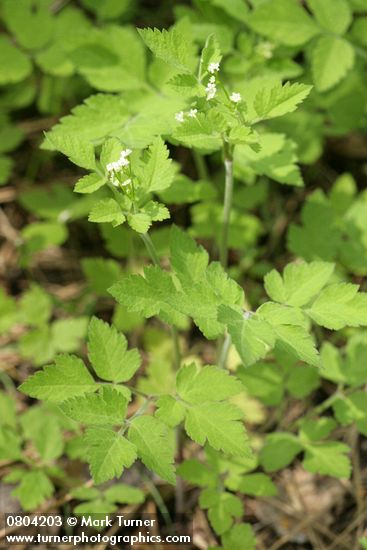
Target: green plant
127	171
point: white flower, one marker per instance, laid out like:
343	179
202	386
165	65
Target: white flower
265	49
116	166
235	97
192	113
126	182
212	79
213	67
180	116
211	89
111	166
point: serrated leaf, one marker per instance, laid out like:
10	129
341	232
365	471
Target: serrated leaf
332	58
35	306
171	46
223	508
257	484
239	537
340	305
200	131
67	334
220	424
186	85
78	151
283	21
108	453
352	408
279	100
153	294
99	116
89	183
279	451
156	171
106	210
300	282
170	411
142	220
108	407
328	458
313	430
290	330
210	54
154	445
34	488
200	291
275	158
69	377
196	385
10	444
107	351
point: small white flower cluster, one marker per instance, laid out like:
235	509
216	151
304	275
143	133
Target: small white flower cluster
213	68
211	88
181	115
265	49
235	97
113	168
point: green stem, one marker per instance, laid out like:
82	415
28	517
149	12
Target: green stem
223	352
157	499
150	248
224	344
228	194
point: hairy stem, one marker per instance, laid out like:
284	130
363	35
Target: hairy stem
228	194
150	248
223	352
224	344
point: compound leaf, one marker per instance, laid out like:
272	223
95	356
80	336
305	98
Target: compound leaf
279	100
